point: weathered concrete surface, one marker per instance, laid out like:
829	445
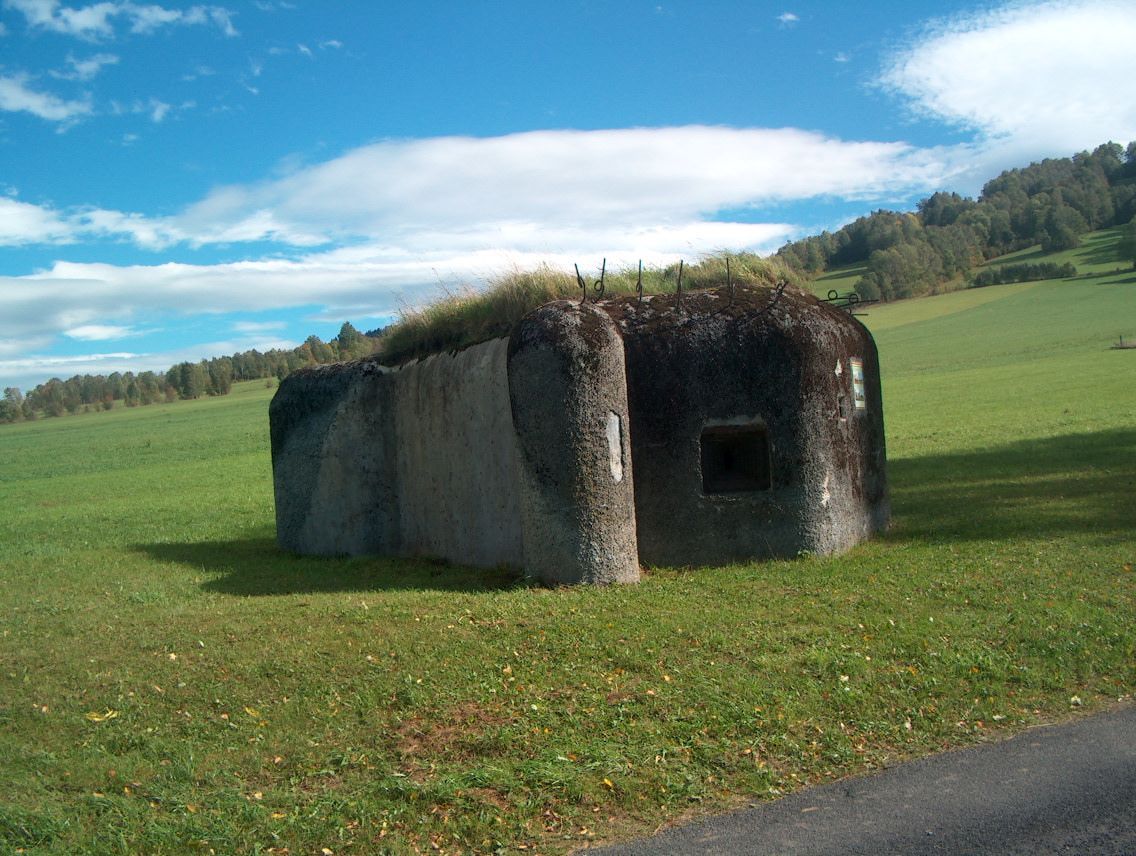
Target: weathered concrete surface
722	429
569	404
457	458
333	454
419	460
771	365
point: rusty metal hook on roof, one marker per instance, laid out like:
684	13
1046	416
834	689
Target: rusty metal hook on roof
597	287
848	302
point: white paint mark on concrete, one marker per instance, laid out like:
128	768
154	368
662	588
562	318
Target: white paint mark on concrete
615	445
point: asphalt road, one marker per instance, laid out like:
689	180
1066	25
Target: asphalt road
1068	789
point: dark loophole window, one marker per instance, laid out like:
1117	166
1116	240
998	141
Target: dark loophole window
735	459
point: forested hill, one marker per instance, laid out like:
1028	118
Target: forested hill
1052	203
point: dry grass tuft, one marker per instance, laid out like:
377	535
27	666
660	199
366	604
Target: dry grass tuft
469	316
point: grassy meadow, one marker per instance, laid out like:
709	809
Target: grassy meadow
172	683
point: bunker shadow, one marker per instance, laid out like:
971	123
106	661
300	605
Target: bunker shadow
256	567
1075	484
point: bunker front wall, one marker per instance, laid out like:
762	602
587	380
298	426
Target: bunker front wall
569	401
415	461
746	438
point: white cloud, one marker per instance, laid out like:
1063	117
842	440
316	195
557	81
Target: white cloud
257	326
788	18
370	280
1028	77
97	332
146	19
96	21
223	18
22	223
394	219
158	110
198	71
85	69
553	181
61	366
305	50
17	97
331	43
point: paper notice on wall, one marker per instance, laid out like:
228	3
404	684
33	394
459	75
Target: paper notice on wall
857	365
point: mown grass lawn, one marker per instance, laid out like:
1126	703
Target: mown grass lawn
172	683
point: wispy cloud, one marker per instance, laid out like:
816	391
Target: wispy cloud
85	69
1027	76
96	21
198	71
17	96
257	326
398	218
97	332
65	366
22	223
788	19
543	182
538	191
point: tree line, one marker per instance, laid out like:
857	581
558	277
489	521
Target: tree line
1051	203
185	380
1025	272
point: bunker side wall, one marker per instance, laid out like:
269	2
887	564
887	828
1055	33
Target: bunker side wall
333	462
456	465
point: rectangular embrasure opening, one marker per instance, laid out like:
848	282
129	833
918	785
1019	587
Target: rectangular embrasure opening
735	459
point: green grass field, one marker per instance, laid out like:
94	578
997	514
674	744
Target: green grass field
171	683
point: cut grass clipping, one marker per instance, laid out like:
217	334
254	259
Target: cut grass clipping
170	682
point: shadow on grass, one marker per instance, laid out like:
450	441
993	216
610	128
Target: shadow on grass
256	566
1075	484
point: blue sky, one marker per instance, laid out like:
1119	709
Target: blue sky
182	181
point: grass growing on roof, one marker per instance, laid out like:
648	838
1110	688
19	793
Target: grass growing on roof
170	682
467	317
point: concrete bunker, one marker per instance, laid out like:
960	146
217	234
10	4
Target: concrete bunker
722	426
